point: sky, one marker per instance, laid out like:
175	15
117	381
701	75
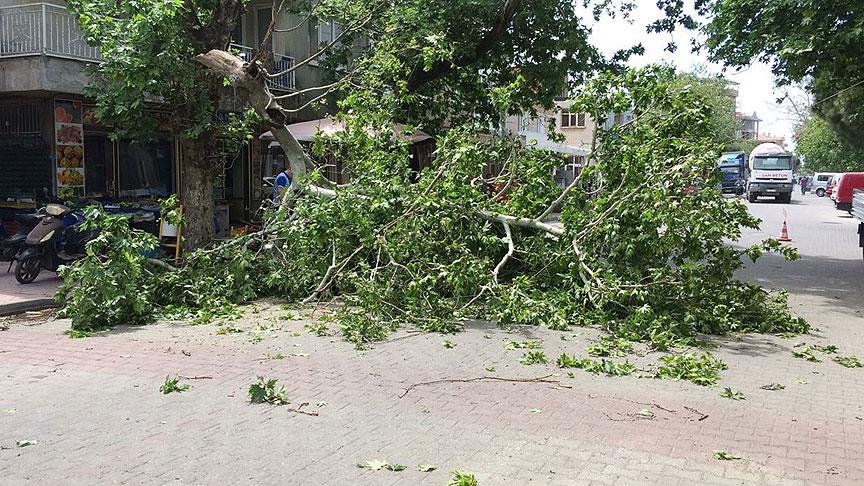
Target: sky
756	91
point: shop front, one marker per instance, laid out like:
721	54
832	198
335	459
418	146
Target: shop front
52	147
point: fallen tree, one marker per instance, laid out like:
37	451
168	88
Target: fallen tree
639	247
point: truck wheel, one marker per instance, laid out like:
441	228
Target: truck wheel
27	270
751	198
820	192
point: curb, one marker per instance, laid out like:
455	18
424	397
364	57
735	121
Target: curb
27	306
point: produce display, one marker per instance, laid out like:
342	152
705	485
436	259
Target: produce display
69	134
71	156
70	177
69	149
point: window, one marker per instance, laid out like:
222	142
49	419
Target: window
823	178
772	163
146	169
237	36
264	18
322	33
574	120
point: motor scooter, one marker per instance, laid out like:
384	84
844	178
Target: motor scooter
49	245
11	244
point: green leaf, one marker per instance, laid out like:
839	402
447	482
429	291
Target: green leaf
848	361
773	386
725	456
426	468
373	465
732	394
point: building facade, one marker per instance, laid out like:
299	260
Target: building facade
49	138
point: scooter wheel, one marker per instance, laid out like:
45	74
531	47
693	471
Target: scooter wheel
27	270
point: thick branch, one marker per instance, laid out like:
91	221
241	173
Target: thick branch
511	247
249	78
486	44
523	222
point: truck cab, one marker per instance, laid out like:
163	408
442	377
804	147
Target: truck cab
770	169
733	172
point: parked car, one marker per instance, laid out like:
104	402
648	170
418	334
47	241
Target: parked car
829	189
820	182
844	189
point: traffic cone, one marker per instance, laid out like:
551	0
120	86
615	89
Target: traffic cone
784	233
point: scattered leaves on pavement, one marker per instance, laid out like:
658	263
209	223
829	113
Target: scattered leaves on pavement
827	349
773	386
462	479
732	394
448	344
25	443
426	468
530	344
534	357
806	353
265	391
848	361
645	414
536	410
379	465
173	385
725	456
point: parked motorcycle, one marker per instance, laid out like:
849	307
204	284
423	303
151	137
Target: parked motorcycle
49	245
11	244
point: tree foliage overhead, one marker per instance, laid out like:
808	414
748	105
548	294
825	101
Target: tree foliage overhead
817	144
715	90
816	41
149	82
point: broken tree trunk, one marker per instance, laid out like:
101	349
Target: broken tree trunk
250	80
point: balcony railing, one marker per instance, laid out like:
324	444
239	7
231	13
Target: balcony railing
274	62
40	28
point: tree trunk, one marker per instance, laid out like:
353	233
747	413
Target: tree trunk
197	194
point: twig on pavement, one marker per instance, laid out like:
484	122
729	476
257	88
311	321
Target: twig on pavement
539	379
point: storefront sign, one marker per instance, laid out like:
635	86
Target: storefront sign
69	149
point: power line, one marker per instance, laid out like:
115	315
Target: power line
859	83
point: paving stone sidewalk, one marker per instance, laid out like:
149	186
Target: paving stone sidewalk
94	410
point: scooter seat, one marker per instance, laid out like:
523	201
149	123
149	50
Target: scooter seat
14	240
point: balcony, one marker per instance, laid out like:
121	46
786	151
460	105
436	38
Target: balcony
43	29
274	63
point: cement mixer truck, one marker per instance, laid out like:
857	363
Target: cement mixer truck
770	169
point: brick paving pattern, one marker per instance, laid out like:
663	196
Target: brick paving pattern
94	410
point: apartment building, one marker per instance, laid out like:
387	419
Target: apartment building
577	130
50	139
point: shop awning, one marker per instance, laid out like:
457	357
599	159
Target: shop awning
305	131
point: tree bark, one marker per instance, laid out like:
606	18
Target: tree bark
197	191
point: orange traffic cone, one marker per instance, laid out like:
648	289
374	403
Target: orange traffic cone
784	233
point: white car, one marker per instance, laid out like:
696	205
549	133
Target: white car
820	182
